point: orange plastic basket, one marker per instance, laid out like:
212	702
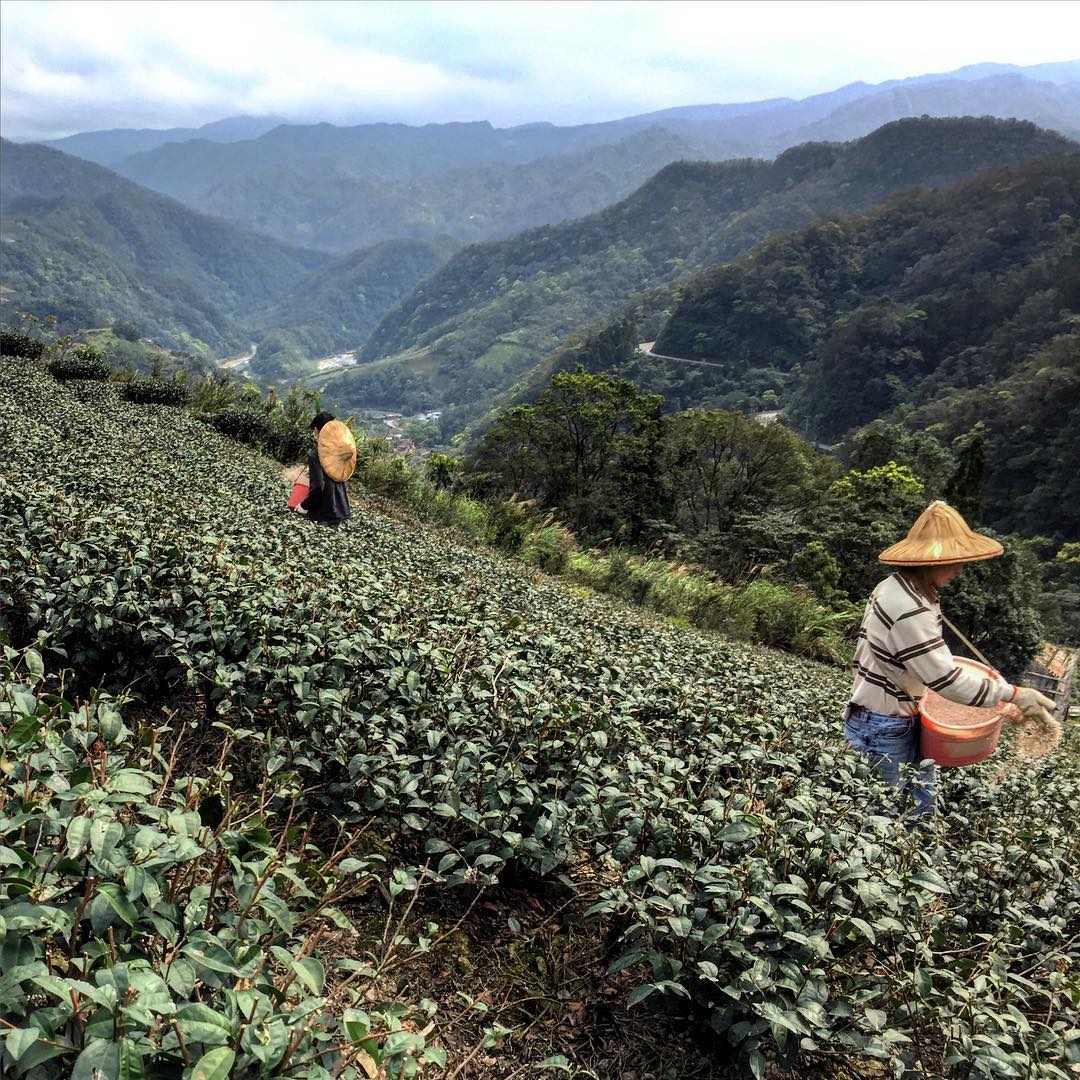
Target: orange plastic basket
298	494
953	734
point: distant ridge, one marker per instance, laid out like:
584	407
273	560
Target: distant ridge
112	146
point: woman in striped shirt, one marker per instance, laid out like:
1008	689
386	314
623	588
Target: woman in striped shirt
900	651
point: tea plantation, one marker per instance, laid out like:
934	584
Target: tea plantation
249	763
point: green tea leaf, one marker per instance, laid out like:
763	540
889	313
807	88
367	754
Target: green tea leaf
214	1065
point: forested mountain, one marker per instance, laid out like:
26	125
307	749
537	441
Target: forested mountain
86	244
496	309
336	212
942	309
46	271
336	307
341	188
392	151
113	145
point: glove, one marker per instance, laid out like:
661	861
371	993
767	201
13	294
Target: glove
1031	703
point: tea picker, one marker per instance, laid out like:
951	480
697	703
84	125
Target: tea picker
901	659
330	464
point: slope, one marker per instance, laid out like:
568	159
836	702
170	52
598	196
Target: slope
47	272
88	217
474	732
495	310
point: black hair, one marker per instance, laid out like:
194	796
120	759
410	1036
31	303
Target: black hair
321	419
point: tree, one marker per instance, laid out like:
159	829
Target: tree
863	513
880	442
126	330
588	447
964	491
995	604
738	489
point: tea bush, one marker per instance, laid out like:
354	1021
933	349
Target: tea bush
20	343
158	923
83	362
244	423
695	792
157	392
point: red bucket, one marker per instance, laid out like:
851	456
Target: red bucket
297	495
953	734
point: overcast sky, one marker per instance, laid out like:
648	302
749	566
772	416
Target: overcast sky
77	66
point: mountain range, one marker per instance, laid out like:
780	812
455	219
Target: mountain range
342	188
494	311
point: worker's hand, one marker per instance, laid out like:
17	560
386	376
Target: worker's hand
1031	702
299	509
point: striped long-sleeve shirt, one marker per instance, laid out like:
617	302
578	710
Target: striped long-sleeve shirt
901	652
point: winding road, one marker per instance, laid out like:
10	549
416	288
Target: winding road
645	348
240	361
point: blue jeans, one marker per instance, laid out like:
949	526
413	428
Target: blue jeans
893	741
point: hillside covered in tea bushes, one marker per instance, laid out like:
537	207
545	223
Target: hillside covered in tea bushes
286	801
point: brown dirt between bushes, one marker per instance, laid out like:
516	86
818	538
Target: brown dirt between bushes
548	982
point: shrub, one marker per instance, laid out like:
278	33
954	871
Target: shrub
213	393
442	469
157	392
83	362
389	475
471	517
438	506
19	343
549	547
509	523
243	423
165	896
127	330
288	443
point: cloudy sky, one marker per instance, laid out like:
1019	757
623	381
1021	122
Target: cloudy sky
77	66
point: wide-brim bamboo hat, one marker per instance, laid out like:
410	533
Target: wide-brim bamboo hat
939	536
337	450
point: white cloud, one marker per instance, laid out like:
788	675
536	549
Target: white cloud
67	66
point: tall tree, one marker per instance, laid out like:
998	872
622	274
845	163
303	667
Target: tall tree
588	447
964	491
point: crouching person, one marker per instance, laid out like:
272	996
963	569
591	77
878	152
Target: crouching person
330	464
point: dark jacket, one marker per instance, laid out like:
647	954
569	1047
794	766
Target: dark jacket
327	500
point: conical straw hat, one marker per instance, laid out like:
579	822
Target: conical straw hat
940	535
337	450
